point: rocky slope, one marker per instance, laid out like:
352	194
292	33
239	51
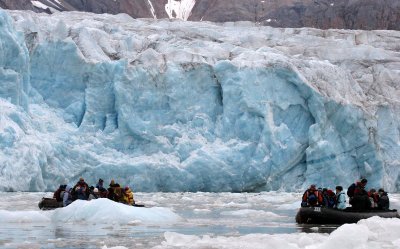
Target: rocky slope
323	14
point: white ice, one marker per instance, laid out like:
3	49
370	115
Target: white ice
167	105
372	233
100	211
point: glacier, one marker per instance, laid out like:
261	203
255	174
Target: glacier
169	105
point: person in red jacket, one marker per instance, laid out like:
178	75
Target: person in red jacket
312	197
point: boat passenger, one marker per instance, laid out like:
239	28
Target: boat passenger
59	193
328	198
331	198
340	198
100	186
81	190
373	198
383	201
352	187
312	197
102	190
360	200
94	194
128	196
114	191
67	197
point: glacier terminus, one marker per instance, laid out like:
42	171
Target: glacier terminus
169	105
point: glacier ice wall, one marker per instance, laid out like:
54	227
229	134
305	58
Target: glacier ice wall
179	106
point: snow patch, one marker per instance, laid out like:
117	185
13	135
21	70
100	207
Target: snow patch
179	9
153	12
40	5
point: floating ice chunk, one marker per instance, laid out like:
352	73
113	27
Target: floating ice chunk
24	216
105	211
372	233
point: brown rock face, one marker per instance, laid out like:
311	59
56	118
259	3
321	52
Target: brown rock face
16	5
323	14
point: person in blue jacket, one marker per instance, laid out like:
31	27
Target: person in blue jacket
340	198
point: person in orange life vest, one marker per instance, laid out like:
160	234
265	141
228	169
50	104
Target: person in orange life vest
312	197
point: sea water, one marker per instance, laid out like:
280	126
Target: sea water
182	220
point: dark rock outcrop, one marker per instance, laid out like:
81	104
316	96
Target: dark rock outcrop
323	14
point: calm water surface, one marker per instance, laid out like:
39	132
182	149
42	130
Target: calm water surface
213	214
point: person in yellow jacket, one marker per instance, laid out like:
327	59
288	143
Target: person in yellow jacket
128	196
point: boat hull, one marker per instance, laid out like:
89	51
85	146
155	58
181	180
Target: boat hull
322	215
51	203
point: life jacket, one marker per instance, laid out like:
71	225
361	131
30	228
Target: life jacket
312	197
129	196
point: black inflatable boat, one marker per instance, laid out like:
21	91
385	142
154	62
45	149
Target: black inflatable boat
322	215
51	203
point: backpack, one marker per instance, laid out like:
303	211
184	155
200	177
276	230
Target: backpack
350	190
312	198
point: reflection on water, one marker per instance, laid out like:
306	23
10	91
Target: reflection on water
212	214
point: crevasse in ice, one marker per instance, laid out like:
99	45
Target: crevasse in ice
180	106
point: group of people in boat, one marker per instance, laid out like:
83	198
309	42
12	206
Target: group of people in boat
359	198
81	191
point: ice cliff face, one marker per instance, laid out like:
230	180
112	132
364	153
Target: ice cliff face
180	106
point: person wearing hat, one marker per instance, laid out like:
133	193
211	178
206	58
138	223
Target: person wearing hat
94	194
312	197
81	190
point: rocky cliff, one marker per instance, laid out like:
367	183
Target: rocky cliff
323	14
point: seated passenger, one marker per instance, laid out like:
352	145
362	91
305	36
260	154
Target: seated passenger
340	198
128	196
67	197
383	200
94	194
331	198
360	200
81	190
373	198
102	190
114	192
311	197
59	193
100	186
